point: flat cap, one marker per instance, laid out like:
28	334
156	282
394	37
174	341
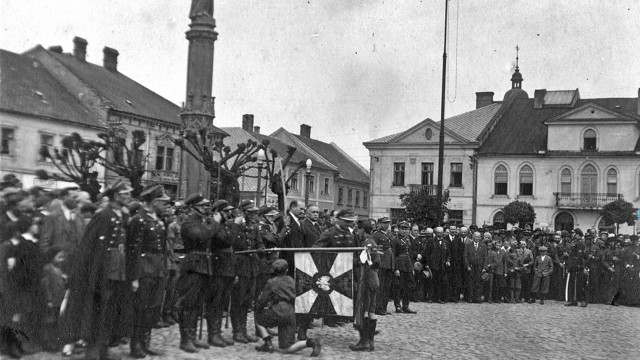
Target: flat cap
542	248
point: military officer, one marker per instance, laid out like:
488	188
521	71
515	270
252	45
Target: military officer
246	236
576	266
383	237
404	269
146	266
224	272
99	280
194	283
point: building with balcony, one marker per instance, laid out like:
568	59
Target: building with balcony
48	94
566	156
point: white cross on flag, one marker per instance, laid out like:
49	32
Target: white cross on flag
324	283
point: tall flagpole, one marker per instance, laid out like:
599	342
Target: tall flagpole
441	147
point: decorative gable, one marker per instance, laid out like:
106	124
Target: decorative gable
426	132
590	113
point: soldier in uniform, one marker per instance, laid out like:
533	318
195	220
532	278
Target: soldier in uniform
223	270
98	285
246	236
195	276
147	266
404	269
383	237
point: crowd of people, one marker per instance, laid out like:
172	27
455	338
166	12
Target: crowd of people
81	275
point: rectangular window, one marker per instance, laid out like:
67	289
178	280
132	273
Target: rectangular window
455	217
357	198
340	195
326	186
397	215
501	181
398	174
590	143
45	140
169	166
365	199
312	184
6	145
526	183
427	173
160	158
565	183
293	182
349	197
456	175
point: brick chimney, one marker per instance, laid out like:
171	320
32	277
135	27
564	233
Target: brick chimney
538	98
247	122
256	129
56	49
80	48
484	98
305	130
110	59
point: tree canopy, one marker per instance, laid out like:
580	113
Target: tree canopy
422	208
519	212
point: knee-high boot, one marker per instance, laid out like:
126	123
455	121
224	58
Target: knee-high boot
363	343
372	333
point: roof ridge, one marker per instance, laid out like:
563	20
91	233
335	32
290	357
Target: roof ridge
352	160
306	147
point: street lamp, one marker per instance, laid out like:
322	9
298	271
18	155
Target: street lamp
307	176
260	164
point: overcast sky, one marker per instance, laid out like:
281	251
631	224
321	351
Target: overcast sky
354	70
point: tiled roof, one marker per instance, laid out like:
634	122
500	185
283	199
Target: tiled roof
349	169
470	124
467	125
122	93
27	87
521	129
384	140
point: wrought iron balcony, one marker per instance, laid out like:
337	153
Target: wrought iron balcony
429	189
584	200
164	176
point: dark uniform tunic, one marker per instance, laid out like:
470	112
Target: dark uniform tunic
594	266
224	271
99	290
194	285
245	237
147	263
404	264
387	265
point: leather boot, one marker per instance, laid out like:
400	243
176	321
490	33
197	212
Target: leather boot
245	334
185	341
267	346
193	336
146	345
302	334
239	337
316	344
372	333
363	342
136	349
214	325
216	340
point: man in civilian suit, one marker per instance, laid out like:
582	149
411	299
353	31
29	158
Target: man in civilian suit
474	258
311	227
439	260
456	272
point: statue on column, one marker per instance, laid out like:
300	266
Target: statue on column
201	10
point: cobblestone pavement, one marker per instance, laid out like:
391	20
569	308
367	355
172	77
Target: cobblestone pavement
454	331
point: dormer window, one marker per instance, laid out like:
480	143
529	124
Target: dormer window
590	140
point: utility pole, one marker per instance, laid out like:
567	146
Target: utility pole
441	147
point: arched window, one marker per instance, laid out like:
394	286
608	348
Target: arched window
589	140
565	182
526	181
612	182
501	177
564	221
498	221
589	180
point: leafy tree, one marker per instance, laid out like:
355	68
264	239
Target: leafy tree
618	212
519	212
422	208
75	161
124	160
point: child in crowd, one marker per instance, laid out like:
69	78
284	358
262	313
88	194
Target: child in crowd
54	284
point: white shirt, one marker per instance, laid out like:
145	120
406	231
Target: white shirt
295	218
